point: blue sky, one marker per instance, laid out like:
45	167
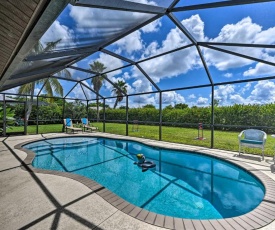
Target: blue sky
249	24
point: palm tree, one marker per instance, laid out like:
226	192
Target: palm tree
123	88
97	81
52	85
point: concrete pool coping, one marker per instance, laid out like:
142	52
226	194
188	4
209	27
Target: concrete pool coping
263	215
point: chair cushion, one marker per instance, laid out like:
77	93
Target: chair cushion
84	121
252	142
68	122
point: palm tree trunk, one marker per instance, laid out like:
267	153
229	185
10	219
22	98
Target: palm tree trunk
29	107
97	109
116	103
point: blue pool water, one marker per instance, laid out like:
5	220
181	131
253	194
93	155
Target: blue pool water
183	184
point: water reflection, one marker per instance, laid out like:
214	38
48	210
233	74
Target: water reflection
182	185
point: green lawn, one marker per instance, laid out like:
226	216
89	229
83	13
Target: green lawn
222	139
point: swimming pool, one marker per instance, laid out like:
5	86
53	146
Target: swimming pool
183	184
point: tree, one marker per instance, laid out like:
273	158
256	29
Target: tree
75	109
169	107
52	85
216	102
97	81
181	106
100	104
123	88
149	106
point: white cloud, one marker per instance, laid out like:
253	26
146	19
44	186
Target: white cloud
89	93
228	75
245	88
265	36
109	62
140	86
263	92
171	65
126	76
261	69
58	31
174	64
195	26
131	43
141	100
223	61
237	99
171	98
174	39
202	101
144	2
150	50
152	27
78	92
191	96
244	31
12	90
134	42
223	93
103	24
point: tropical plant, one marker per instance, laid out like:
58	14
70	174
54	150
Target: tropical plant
9	115
75	110
123	89
51	85
10	120
97	81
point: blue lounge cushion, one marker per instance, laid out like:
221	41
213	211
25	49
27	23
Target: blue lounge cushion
84	121
252	142
68	122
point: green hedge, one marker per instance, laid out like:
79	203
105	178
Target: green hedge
230	118
235	115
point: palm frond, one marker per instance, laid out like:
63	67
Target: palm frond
64	73
26	88
51	45
55	87
38	48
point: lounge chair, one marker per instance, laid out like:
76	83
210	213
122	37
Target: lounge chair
85	125
68	123
252	138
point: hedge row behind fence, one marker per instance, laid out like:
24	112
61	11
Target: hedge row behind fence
235	115
240	116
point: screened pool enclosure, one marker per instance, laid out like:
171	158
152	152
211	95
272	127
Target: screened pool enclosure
144	68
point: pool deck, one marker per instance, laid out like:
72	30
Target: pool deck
42	199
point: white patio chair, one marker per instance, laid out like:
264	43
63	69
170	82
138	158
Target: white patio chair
252	138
